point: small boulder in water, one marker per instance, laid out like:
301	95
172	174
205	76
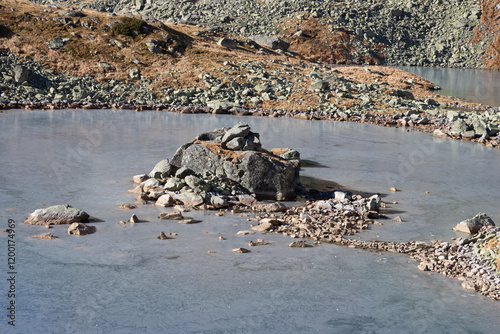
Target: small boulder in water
80	229
56	215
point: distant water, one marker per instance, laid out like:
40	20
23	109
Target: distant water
125	280
479	86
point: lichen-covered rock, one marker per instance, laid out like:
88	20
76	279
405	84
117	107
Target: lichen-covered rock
266	176
174	184
459	127
162	169
57	214
473	225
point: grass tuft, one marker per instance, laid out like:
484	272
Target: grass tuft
128	25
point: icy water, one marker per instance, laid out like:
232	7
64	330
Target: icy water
479	86
125	280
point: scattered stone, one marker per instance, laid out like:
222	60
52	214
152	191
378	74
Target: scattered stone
228	43
273	207
127	206
174	184
189	221
72	13
469	284
241	250
398	219
393	189
425	266
133	219
258	242
245	232
161	170
137	190
140	200
21	74
56	43
271	42
163	236
299	244
165	201
44	236
189	199
267	224
81	229
174	215
134	74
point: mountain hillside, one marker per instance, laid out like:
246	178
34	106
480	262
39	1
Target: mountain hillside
451	33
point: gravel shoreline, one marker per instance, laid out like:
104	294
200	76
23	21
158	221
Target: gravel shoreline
471	260
438	126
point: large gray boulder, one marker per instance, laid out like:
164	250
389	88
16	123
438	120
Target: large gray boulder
57	214
271	42
473	225
228	43
258	171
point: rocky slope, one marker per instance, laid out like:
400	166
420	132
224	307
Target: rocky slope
404	32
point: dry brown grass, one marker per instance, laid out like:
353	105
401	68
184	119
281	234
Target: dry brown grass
489	29
318	43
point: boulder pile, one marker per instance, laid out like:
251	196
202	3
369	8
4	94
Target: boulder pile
219	168
324	220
